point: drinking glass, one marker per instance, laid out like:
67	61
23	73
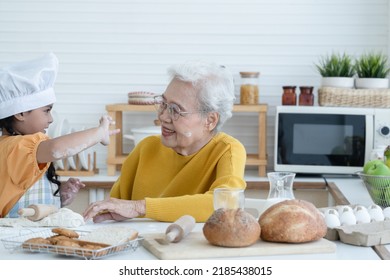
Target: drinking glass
229	198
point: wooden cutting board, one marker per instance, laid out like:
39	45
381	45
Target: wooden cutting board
195	246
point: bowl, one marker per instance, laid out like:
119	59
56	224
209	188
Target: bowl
378	187
140	133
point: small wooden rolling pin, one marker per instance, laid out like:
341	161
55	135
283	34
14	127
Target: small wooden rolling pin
179	229
36	212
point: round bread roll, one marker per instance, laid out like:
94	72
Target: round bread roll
292	221
231	228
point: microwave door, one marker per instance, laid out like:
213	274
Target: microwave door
327	140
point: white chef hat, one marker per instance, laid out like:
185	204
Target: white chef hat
27	85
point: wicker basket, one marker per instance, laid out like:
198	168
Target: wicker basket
345	97
378	187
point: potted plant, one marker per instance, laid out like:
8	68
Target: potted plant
337	70
372	71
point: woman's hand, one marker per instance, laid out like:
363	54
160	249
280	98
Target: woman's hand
69	190
114	209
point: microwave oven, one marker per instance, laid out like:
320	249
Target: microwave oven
328	140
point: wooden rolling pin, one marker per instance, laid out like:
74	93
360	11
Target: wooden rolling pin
179	229
36	212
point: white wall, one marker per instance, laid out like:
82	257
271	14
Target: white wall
107	48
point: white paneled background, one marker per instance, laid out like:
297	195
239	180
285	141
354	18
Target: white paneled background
107	48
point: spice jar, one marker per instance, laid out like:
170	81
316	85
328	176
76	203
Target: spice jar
306	97
289	96
249	90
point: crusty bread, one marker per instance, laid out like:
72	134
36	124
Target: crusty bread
231	228
111	235
292	221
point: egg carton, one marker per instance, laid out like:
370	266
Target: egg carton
370	234
365	234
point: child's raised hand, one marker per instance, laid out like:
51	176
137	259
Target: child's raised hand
105	122
73	143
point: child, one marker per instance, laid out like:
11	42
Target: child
26	152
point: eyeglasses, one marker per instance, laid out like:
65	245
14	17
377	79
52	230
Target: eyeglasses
173	109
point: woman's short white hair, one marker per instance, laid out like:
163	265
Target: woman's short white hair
215	87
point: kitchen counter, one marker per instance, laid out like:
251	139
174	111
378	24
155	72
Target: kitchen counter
352	188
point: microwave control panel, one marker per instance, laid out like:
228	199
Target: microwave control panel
382	127
384	131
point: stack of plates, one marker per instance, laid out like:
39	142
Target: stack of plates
60	127
141	97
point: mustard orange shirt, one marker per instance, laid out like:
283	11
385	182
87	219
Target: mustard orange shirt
19	169
174	185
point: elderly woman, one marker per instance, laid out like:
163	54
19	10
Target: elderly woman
175	173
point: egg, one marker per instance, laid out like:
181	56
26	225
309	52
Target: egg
362	215
386	213
332	211
347	218
359	207
342	208
376	213
332	220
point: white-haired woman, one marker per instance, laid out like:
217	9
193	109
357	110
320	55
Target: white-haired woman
175	173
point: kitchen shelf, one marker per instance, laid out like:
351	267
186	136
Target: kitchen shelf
115	151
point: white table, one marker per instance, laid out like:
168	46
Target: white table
352	188
147	226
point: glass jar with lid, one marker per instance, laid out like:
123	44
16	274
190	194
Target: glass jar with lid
306	97
249	90
289	96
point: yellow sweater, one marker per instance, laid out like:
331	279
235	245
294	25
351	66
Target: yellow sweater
174	185
19	169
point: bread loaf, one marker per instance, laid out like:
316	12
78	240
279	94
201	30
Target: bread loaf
231	228
292	221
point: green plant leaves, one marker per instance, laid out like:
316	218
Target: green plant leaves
369	65
336	65
372	65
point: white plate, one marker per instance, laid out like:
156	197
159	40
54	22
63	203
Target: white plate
52	127
83	157
62	128
59	164
71	159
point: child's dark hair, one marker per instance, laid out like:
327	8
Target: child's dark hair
51	174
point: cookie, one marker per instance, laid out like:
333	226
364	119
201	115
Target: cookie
67	247
66	232
91	250
36	243
92	247
68	243
55	238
